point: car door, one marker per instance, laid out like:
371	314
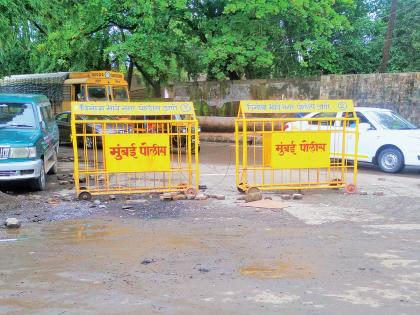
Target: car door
327	122
50	135
366	143
63	122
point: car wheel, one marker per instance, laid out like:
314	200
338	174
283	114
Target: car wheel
40	183
391	160
193	148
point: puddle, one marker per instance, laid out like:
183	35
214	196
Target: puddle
276	270
107	234
85	230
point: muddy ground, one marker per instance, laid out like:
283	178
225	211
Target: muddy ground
327	253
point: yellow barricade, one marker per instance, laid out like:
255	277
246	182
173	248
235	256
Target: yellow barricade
135	147
279	145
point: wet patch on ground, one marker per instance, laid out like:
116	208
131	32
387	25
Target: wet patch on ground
276	270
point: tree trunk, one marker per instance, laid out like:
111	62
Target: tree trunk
156	89
155	84
130	73
233	75
388	38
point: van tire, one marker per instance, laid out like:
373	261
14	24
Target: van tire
193	149
40	183
54	169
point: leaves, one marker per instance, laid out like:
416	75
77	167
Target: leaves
224	39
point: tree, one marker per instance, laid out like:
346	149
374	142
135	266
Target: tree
225	39
16	36
358	48
388	37
304	40
404	55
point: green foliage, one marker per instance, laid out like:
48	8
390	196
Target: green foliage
223	39
405	51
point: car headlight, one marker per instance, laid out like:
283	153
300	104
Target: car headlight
22	153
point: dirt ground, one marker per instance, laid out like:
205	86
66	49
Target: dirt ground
325	254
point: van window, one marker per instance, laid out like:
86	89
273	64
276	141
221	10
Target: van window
97	93
119	93
77	93
17	115
46	113
82	93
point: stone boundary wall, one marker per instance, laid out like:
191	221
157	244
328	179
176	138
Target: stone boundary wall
397	91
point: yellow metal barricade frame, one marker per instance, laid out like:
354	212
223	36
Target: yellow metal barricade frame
273	147
134	147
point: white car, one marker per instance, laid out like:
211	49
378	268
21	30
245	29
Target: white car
385	138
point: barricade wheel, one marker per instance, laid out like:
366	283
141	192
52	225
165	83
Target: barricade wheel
240	189
86	196
191	191
350	188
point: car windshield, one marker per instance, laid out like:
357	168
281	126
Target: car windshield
16	115
391	120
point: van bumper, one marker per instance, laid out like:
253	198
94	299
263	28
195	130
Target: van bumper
20	170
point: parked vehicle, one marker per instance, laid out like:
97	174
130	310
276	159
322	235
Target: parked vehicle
385	138
63	87
64	127
28	139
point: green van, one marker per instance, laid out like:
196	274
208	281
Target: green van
28	139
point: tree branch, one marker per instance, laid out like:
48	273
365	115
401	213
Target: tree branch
38	27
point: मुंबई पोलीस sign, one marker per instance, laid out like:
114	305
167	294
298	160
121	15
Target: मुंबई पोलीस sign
137	153
300	150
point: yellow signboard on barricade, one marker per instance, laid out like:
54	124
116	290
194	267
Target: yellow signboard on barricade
290	150
134	147
318	150
137	153
296	106
133	108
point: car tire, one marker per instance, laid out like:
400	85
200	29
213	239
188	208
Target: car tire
40	182
193	149
391	160
54	169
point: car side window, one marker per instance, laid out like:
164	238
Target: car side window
63	117
362	119
348	123
327	122
46	114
